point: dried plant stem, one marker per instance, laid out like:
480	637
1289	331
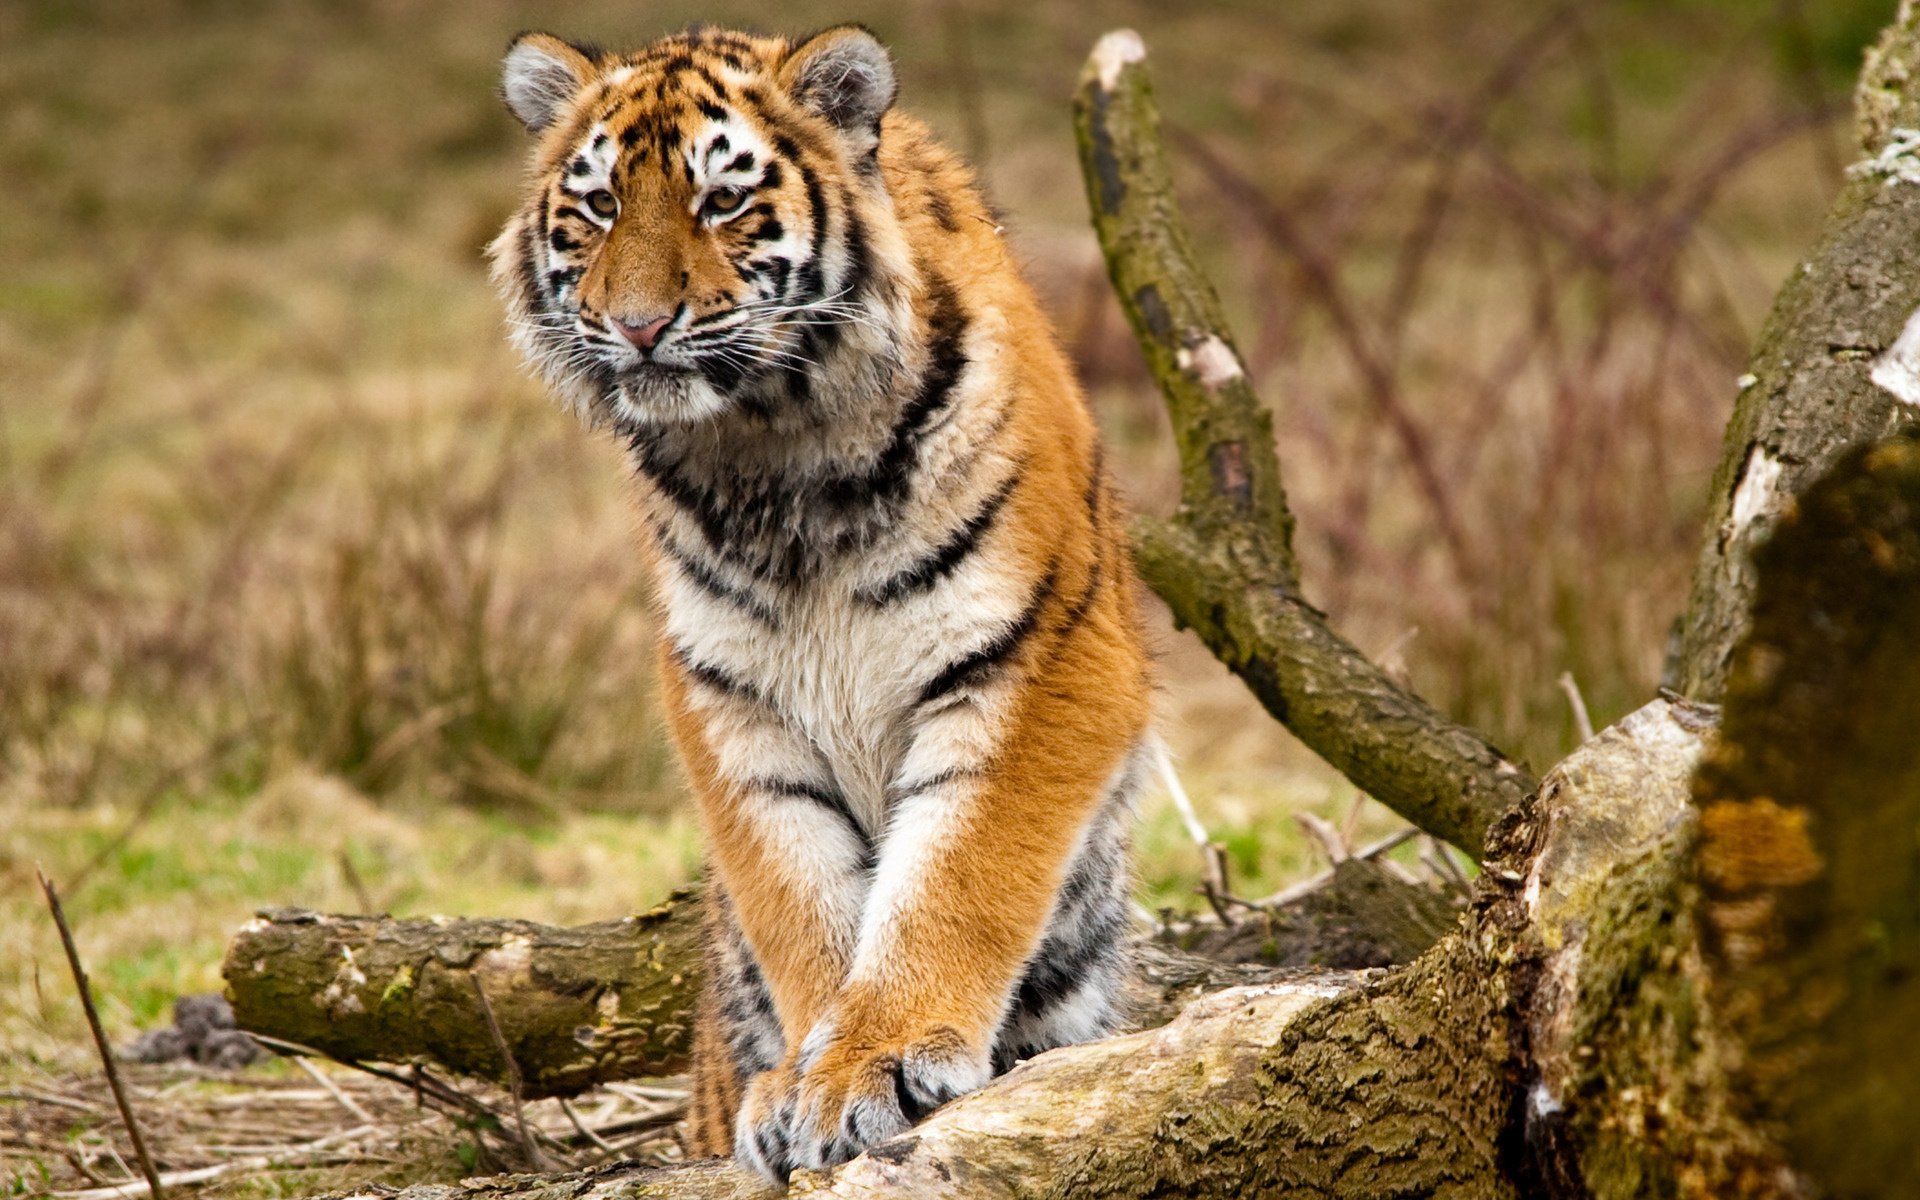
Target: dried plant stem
1582	721
331	1088
1213	856
100	1037
535	1158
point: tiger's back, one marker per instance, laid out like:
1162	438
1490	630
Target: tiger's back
899	641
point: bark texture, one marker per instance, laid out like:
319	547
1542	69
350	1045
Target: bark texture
1837	364
1810	850
582	1006
1224	563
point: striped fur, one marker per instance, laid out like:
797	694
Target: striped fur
899	641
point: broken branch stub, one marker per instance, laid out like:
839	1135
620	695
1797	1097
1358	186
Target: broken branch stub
1224	563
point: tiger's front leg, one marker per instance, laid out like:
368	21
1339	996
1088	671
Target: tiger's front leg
965	882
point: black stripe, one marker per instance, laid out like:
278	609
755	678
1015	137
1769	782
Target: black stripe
1054	976
971	668
945	557
826	797
716	678
908	790
888	477
812	284
710	582
713	112
1056	970
742	161
770	178
941	211
1077	611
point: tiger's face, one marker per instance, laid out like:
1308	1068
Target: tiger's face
697	233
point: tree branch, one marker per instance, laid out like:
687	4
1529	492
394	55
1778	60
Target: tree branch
1225	562
1837	364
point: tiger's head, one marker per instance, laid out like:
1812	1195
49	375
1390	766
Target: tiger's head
706	221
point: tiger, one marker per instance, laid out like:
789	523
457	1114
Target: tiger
900	647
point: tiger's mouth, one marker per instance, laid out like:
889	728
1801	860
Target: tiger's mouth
653	370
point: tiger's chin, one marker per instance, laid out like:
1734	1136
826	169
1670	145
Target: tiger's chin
653	395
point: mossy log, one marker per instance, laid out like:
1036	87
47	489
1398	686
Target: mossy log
580	1006
1224	563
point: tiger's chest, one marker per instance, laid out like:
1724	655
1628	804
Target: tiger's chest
840	673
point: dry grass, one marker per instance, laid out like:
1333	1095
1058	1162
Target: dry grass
306	596
278	1131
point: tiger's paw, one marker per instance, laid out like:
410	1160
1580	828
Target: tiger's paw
761	1131
844	1095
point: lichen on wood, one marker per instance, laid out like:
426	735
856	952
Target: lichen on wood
579	1006
1224	564
1810	850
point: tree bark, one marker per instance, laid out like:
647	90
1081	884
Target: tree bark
1837	364
1224	563
1810	849
582	1006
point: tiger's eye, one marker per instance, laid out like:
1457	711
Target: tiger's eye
603	204
723	200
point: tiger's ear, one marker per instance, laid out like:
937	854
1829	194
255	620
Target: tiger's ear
845	75
540	75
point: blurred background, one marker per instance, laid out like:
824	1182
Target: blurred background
308	596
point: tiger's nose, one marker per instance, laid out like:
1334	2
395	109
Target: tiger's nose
642	334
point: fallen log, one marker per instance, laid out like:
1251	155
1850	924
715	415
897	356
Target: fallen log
580	1006
613	1000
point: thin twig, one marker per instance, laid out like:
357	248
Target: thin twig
1582	723
1213	856
333	1089
100	1036
356	884
538	1160
45	1098
1434	853
586	1133
1306	887
1325	835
